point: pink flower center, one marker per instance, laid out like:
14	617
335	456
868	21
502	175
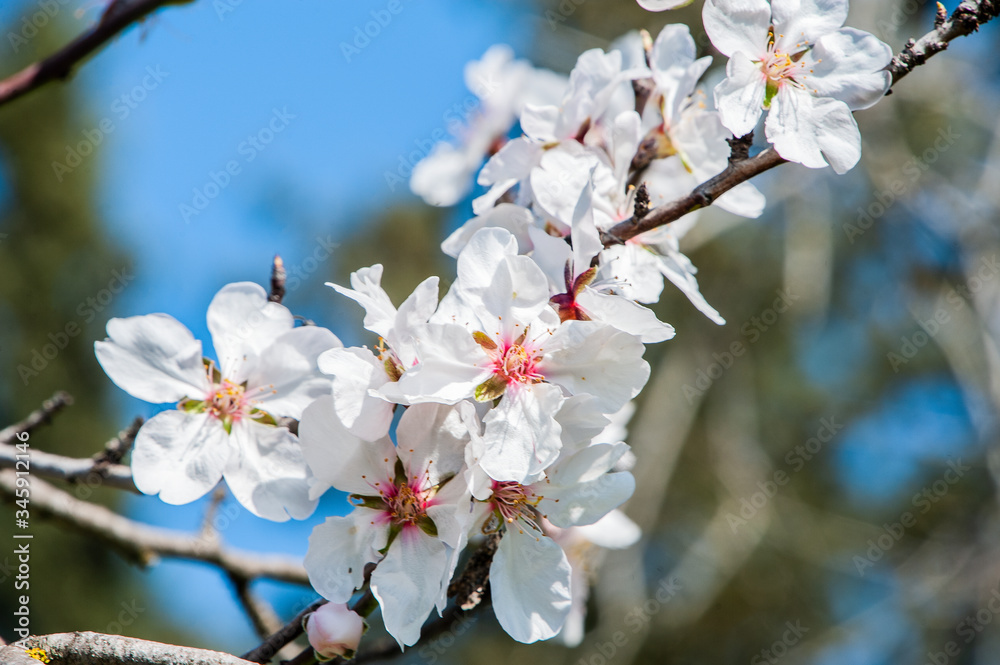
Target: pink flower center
406	504
513	501
516	364
228	401
779	66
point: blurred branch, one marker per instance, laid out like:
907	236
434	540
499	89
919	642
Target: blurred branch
965	20
261	615
88	648
118	16
144	543
41	416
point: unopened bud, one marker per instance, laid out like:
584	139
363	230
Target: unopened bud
334	630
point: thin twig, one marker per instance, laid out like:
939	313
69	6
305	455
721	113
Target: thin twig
119	15
85	471
284	635
41	416
143	543
262	616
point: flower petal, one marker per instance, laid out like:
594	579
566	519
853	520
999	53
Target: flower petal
813	131
339	458
267	472
849	65
585	503
737	25
522	437
356	371
285	379
153	357
407	583
530	580
740	96
243	323
805	21
180	456
339	548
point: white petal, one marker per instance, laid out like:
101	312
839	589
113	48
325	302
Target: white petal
180	456
737	25
451	365
513	161
267	472
580	421
740	97
530	580
588	502
587	464
625	315
508	216
431	438
663	5
522	437
813	131
339	548
539	122
355	371
153	357
744	200
635	269
597	359
444	176
285	379
678	268
366	289
614	531
340	459
848	65
243	323
407	583
805	21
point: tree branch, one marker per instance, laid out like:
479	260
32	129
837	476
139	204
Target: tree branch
88	648
119	15
41	416
143	543
966	19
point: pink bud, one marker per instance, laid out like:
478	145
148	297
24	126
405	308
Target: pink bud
334	630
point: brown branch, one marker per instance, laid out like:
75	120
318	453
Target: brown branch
86	471
41	416
261	615
965	20
86	648
119	15
278	277
273	644
143	543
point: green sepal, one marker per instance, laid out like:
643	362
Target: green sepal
483	340
428	526
769	93
362	501
192	405
490	389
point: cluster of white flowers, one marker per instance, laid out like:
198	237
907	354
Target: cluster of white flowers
497	410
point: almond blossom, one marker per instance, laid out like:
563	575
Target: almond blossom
224	424
405	509
794	59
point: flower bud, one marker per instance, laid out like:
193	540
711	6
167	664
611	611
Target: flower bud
334	630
